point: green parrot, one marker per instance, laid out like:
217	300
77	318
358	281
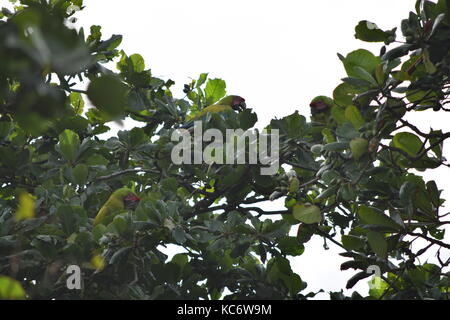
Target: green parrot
236	103
119	200
321	109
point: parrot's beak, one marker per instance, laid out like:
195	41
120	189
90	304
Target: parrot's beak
131	201
240	107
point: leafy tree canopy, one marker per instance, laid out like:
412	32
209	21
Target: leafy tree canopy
355	179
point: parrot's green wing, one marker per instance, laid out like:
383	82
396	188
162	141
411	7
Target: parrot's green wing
226	101
215	108
112	206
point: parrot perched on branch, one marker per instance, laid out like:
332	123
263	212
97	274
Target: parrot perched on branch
321	109
120	200
235	103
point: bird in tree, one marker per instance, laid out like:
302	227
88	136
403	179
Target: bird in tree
121	199
227	103
321	109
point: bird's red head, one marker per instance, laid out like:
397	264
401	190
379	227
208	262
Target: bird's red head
238	103
318	106
131	201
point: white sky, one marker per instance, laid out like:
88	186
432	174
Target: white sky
276	54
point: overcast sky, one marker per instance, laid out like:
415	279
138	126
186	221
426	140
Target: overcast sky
277	54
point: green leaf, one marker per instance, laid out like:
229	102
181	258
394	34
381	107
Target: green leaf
110	44
131	65
422	201
201	80
71	217
234	177
5	128
108	94
69	143
347	192
80	173
120	224
437	142
360	58
397	52
240	248
433	192
378	243
179	235
331	177
346	131
169	184
11	289
407	142
407	192
368	31
138	62
436	23
215	90
353	115
380	74
77	102
352	242
307	213
422	97
295	124
356	278
343	94
338	114
96	34
290	246
137	137
364	75
180	259
279	270
304	233
120	255
376	291
328	136
247	119
335	146
359	84
372	216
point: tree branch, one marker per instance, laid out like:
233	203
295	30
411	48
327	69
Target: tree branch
123	172
434	241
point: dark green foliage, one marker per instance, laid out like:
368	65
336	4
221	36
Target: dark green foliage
56	171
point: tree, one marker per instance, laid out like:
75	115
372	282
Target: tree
352	181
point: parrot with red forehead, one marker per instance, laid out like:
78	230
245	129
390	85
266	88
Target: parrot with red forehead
121	199
321	109
228	103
